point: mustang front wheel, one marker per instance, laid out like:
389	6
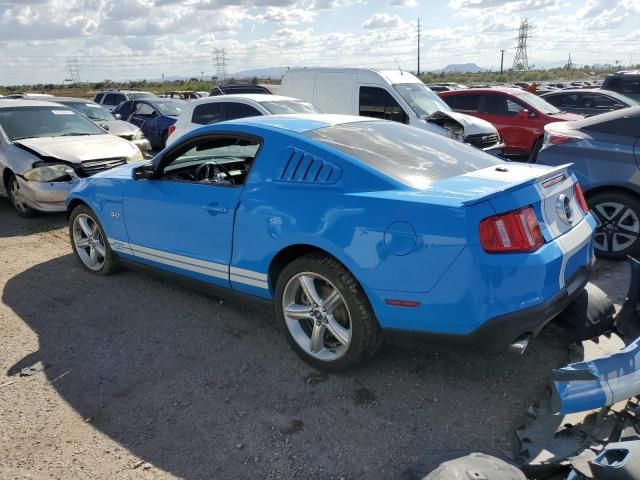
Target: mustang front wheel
326	316
89	242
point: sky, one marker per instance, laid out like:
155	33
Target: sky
136	39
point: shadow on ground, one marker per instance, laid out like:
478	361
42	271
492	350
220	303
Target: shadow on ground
14	226
208	390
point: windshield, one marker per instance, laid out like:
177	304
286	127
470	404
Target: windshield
421	100
538	103
36	122
140	95
93	111
623	99
170	109
289	106
407	154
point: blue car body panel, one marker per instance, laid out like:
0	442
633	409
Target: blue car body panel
153	128
399	242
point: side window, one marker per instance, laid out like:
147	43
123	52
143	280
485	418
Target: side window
554	100
120	98
569	100
222	161
110	99
378	103
495	105
144	109
464	103
593	100
241	110
513	107
625	126
208	113
98	97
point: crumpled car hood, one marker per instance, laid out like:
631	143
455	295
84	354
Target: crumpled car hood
118	127
471	125
79	149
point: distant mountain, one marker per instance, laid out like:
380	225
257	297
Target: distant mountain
462	68
274	72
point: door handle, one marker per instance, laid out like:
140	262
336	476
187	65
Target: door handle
215	209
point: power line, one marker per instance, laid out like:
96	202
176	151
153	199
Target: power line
418	46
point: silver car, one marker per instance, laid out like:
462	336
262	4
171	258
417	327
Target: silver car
46	148
105	119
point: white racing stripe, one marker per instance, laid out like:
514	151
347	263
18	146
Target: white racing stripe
571	242
212	269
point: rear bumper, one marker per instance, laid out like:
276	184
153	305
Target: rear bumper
495	335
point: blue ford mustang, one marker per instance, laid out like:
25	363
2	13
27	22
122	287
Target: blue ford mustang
358	229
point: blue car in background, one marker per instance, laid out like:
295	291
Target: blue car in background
357	230
605	152
153	116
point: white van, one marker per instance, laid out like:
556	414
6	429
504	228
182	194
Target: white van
390	95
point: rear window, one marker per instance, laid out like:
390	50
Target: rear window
409	155
625	122
140	95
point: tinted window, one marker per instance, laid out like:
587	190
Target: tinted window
98	97
240	110
120	98
33	122
466	103
208	113
110	99
624	122
171	108
623	84
407	154
569	100
138	95
495	105
594	100
378	103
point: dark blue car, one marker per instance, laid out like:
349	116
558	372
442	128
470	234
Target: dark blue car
154	116
605	152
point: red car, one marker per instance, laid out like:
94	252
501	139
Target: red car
519	116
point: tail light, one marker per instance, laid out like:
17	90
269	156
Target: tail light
555	139
516	231
577	192
172	128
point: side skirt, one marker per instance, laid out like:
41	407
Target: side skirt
214	291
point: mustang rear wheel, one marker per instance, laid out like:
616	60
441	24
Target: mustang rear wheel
618	232
89	243
325	314
17	198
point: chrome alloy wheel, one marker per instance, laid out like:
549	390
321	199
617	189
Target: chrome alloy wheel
618	227
16	196
90	245
317	316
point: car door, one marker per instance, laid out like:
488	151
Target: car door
502	112
182	225
145	116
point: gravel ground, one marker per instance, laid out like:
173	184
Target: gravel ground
135	377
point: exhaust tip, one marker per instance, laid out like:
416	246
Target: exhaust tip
519	346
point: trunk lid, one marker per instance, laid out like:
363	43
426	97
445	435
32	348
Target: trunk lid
510	186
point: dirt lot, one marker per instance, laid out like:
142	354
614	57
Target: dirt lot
144	379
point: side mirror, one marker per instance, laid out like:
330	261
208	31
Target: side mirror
143	172
525	114
118	116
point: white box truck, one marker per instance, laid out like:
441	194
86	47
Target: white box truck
390	95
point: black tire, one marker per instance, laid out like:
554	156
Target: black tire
21	209
110	264
364	327
627	220
533	156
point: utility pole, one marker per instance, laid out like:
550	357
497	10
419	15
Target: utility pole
501	61
570	67
418	47
221	64
521	62
73	69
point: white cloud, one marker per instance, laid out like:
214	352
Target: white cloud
404	3
382	20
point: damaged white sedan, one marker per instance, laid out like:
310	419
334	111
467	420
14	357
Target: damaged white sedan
45	148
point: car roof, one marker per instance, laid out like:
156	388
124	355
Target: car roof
256	97
12	103
71	99
581	90
507	90
299	123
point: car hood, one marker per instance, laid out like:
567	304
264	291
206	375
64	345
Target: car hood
78	149
471	125
569	117
118	127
